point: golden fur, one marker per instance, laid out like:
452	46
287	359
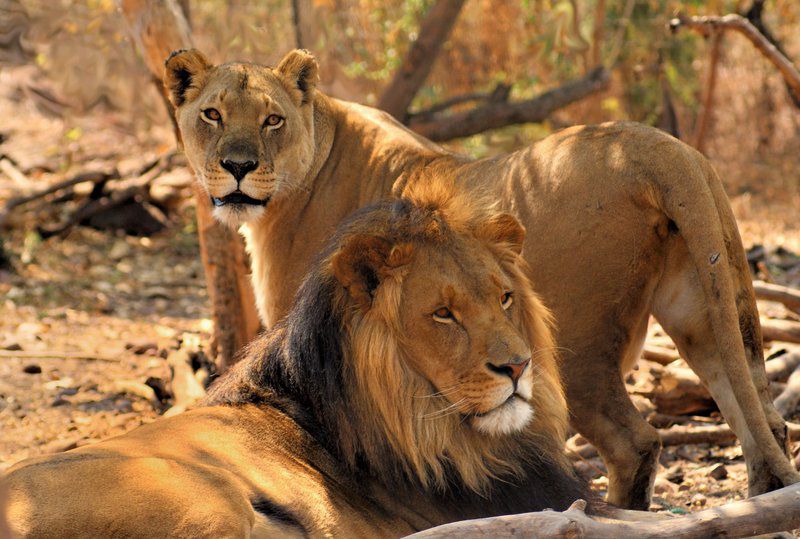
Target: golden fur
624	221
357	415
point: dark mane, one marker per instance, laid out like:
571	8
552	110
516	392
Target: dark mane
300	367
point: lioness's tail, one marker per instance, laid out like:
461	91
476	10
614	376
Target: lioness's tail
691	196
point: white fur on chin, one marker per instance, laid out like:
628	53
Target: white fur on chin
511	417
236	215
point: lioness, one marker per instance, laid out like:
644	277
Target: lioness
624	221
413	383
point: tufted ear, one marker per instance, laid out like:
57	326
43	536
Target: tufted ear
184	71
300	71
504	228
364	262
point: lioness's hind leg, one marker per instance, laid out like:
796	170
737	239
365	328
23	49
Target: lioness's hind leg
681	309
603	413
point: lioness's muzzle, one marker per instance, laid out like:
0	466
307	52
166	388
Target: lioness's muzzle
237	197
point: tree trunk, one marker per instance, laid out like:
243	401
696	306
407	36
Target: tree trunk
159	27
417	64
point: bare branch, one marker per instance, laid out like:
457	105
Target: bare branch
768	513
417	64
495	115
790	297
780	330
739	24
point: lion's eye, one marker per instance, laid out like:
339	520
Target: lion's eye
507	299
443	314
273	121
212	115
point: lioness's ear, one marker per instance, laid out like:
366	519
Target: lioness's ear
504	228
364	262
300	70
183	75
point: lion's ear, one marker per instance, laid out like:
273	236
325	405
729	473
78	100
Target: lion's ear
184	71
300	71
364	261
504	228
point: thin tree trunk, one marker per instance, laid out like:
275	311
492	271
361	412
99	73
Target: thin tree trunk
159	27
707	112
417	64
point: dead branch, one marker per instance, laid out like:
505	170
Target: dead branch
417	64
786	402
494	115
15	175
683	435
790	297
124	191
679	391
659	354
93	177
780	330
781	367
739	24
768	513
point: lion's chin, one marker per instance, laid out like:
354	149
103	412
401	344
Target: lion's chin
235	215
505	419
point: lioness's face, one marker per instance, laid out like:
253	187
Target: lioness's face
247	130
462	326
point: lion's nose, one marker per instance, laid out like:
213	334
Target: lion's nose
513	369
238	169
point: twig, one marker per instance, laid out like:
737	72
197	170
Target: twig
739	24
15	174
772	512
20	354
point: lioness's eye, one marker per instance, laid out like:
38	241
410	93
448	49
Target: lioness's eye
274	121
443	314
507	299
212	114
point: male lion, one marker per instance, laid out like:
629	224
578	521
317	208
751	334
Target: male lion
412	384
625	221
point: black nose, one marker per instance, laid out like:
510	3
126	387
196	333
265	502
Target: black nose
239	169
513	370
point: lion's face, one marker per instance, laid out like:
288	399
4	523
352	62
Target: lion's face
247	130
458	306
459	315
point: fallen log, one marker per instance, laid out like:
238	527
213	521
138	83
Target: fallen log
780	330
772	512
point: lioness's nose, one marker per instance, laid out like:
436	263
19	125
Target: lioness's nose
239	169
513	369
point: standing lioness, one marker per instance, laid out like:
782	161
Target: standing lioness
624	221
